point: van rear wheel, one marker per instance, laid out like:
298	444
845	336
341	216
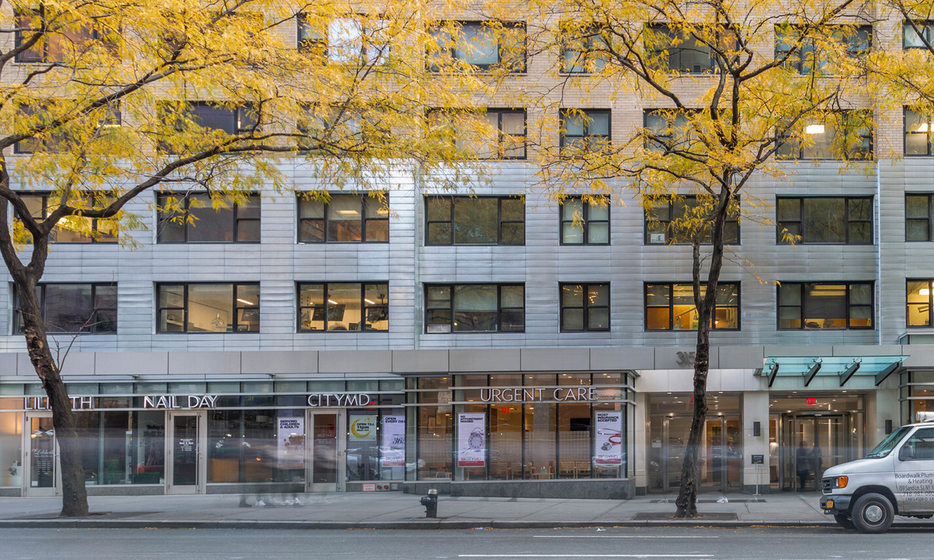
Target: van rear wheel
844	521
873	513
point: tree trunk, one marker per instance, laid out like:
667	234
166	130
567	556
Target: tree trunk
74	492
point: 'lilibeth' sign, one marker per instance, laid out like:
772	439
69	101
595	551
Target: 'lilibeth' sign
518	394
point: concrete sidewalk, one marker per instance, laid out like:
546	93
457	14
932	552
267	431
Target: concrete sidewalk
394	510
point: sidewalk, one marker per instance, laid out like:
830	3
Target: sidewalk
394	510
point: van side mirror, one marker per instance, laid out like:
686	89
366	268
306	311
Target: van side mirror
906	453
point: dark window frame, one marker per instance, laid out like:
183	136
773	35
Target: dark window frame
589	59
586	308
380	308
675	54
452	223
44	197
235	307
43	44
95	325
587	138
585	222
322	45
668	223
929	219
929	134
929	282
817	57
438	117
848	306
671	306
845	117
516	26
161	220
925	26
846	221
366	201
450	309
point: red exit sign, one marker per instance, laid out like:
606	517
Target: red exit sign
812	401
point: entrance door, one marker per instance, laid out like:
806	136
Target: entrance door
811	444
42	462
719	460
326	453
186	452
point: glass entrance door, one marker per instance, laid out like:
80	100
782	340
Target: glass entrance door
42	476
719	460
326	461
186	452
811	444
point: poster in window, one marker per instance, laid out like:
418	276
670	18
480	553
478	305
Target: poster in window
393	448
471	439
362	427
608	444
291	437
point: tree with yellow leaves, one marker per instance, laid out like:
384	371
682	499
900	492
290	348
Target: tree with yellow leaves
728	90
103	100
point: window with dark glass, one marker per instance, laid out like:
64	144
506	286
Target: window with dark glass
919	133
350	306
71	229
807	55
825	305
583	50
193	218
69	136
466	220
585	222
475	308
921	303
483	44
585	307
671	307
348	40
59	43
584	129
492	134
840	135
217	307
919	217
342	218
74	308
663	222
915	36
685	51
668	130
845	220
209	116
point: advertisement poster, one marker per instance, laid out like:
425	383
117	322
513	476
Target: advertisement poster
471	439
362	427
393	441
291	436
609	448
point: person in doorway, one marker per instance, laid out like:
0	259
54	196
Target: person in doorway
802	464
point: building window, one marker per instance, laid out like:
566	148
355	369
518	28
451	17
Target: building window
69	136
475	308
343	307
58	43
919	210
824	305
201	117
920	299
664	218
343	218
919	133
584	129
846	220
838	135
683	51
585	222
71	229
915	36
74	308
583	50
349	40
671	307
194	308
192	218
482	44
808	56
668	130
492	134
585	307
465	220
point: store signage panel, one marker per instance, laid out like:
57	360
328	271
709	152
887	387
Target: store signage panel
199	401
531	394
471	448
609	440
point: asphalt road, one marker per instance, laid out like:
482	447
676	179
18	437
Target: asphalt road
557	544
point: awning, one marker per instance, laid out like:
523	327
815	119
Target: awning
843	367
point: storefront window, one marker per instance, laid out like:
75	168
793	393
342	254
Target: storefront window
122	447
11	446
242	445
435	428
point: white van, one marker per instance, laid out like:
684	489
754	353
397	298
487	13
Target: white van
895	478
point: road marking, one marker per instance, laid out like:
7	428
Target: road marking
621	537
584	555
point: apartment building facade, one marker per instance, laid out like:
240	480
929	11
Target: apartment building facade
490	341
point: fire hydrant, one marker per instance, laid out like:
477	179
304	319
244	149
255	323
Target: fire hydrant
430	502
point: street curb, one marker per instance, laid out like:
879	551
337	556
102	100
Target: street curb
426	524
